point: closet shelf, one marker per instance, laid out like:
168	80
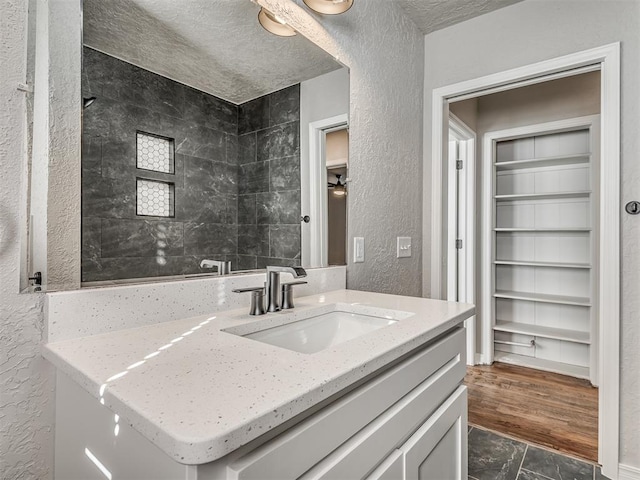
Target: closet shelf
543	298
544	161
542	364
552	230
542	264
543	196
546	332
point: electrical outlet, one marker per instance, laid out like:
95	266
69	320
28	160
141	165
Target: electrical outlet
404	247
358	249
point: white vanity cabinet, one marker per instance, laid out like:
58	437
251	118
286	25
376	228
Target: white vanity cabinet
405	421
436	451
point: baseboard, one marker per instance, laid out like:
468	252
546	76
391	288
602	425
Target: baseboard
626	472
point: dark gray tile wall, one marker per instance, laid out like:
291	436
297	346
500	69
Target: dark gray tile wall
237	190
269	180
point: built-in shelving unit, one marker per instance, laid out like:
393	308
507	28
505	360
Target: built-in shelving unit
543	237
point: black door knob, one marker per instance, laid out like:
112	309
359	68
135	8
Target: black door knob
632	208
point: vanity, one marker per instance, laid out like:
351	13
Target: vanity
378	394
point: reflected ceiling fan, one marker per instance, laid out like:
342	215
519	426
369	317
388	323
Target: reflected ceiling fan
339	188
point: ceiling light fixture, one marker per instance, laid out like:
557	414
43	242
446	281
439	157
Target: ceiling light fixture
329	7
339	190
274	24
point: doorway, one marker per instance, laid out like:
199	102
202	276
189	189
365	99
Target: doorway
337	161
606	60
315	184
538	165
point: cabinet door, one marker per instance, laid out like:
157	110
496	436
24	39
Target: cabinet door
438	450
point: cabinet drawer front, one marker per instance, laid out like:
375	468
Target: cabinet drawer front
363	452
295	451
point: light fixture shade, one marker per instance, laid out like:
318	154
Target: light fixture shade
339	190
274	24
329	7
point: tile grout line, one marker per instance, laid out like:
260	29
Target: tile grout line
526	449
537	474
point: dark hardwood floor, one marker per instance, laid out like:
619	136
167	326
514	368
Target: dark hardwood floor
555	411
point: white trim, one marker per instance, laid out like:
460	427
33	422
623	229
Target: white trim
608	57
531	81
627	472
609	269
487	269
452	220
318	231
461	274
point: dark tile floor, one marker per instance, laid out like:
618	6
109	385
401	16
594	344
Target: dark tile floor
494	457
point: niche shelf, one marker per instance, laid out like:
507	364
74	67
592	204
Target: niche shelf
543	264
542	331
543	364
544	162
543	196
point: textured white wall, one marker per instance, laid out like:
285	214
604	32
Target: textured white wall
55	182
384	51
536	30
26	379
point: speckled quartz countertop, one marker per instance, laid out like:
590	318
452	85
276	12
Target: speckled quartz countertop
199	393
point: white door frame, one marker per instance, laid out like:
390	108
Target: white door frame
461	279
316	186
608	59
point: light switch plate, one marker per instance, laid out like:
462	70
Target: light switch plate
404	247
358	249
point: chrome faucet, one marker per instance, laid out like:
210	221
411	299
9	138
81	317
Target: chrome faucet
273	284
223	268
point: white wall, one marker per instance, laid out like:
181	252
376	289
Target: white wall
560	99
55	189
26	379
536	30
384	52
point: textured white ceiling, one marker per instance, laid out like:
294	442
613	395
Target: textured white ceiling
431	15
216	46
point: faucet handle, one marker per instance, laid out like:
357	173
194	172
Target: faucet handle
247	289
223	267
300	272
257	299
295	271
286	299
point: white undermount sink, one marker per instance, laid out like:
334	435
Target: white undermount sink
323	329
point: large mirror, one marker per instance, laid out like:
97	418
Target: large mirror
195	123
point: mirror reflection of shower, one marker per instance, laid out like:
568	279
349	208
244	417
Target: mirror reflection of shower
337	154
